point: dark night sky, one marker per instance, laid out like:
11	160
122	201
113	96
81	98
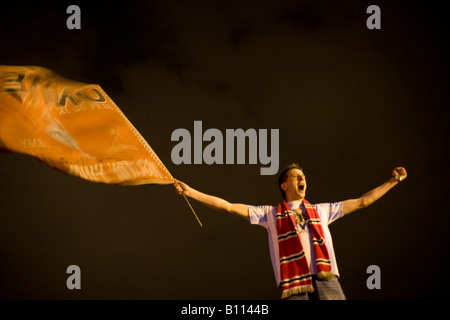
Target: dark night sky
350	104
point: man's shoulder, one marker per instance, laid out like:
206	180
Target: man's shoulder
265	208
327	205
261	214
329	211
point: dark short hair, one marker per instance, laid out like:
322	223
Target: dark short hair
283	176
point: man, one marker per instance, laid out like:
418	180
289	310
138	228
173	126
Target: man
300	243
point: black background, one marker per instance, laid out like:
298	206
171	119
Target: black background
350	104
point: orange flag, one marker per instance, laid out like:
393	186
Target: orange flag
73	127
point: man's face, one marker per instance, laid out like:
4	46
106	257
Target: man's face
295	185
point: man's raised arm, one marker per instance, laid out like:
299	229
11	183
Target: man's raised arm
398	174
214	202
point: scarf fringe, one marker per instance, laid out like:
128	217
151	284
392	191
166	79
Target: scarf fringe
297	290
326	275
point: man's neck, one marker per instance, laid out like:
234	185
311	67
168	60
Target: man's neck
290	199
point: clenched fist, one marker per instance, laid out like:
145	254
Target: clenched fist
399	173
181	187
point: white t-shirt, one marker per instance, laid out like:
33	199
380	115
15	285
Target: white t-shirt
265	216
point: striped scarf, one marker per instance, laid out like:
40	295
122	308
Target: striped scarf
296	277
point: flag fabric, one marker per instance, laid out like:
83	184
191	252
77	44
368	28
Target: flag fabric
74	127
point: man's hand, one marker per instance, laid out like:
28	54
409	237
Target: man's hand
399	174
181	188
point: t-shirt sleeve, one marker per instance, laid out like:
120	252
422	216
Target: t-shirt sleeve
330	212
259	215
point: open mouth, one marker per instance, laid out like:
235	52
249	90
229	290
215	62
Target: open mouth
301	187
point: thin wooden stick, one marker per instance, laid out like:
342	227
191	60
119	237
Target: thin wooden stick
192	209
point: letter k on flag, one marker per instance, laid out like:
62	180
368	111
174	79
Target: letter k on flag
73	127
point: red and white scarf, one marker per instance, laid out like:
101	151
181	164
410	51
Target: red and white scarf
296	278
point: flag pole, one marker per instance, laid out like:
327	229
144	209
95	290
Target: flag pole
192	209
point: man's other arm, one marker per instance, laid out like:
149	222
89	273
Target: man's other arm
373	195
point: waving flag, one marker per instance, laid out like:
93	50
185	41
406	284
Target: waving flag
73	127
